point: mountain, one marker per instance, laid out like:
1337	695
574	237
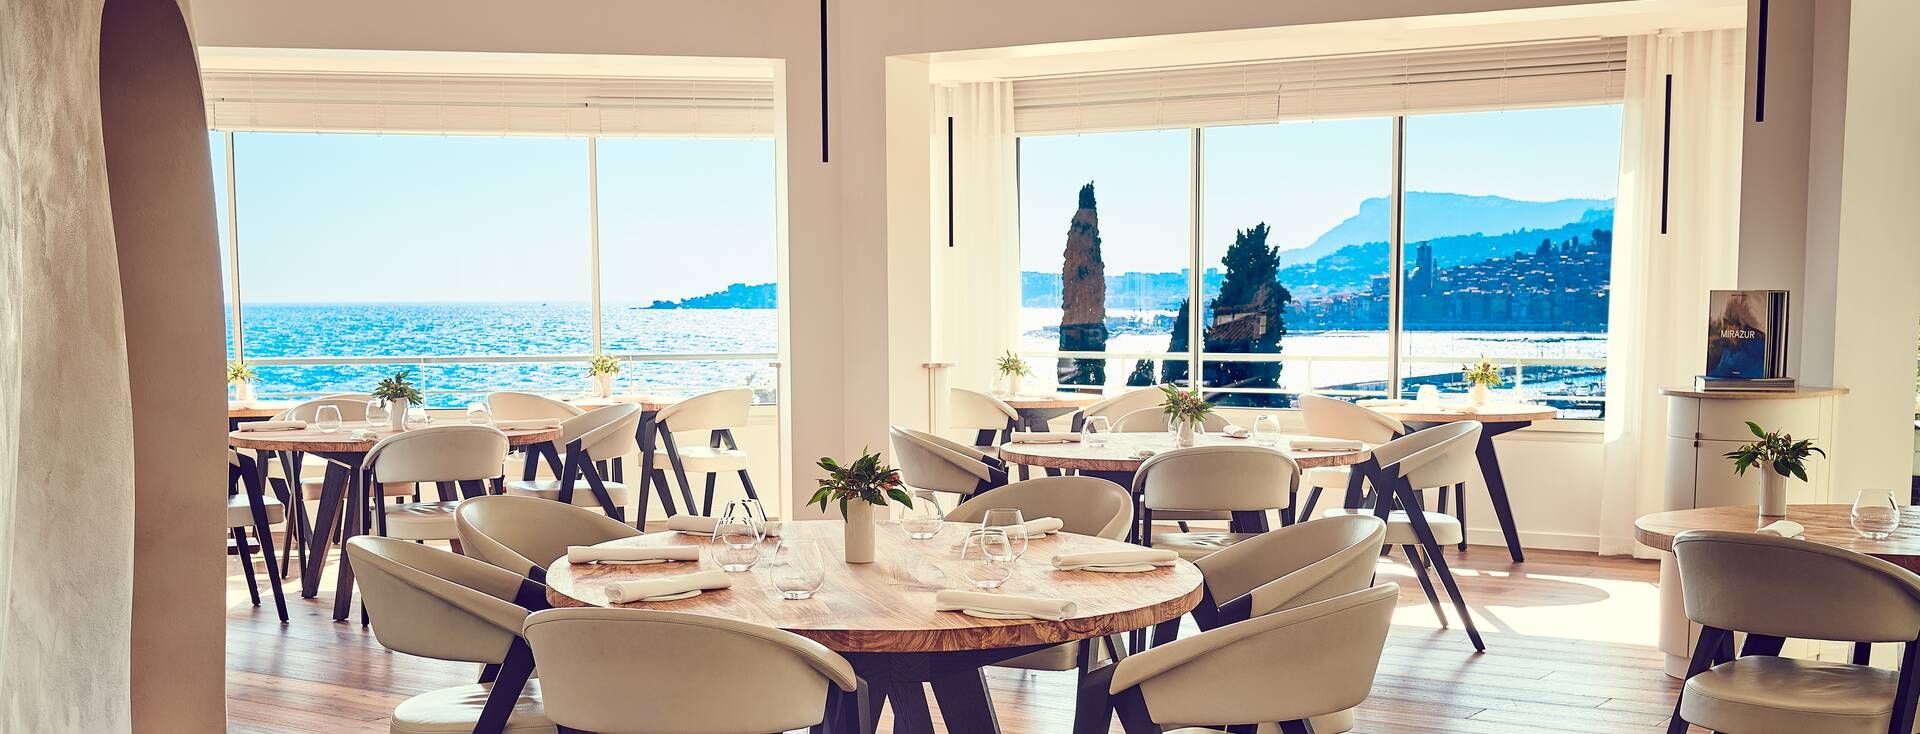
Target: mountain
1431	214
738	295
1351	267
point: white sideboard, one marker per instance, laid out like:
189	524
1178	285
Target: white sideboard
1701	428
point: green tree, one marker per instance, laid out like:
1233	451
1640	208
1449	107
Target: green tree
1142	375
1083	295
1249	317
1174	371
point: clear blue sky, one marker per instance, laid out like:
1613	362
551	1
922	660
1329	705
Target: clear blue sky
1301	178
351	217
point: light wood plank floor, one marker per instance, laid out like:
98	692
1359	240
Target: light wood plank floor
1569	636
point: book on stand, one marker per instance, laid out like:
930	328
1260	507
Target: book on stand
1746	342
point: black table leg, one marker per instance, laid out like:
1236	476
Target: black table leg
964	702
1497	484
958	685
256	505
322	537
354	516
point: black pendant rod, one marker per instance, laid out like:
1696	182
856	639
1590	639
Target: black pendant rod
950	238
1760	70
823	82
1666	152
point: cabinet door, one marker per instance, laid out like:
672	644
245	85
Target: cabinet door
1681	459
1726	420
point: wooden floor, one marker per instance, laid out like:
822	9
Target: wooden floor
1569	638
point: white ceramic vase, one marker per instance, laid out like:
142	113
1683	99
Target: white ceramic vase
1477	395
859	545
397	414
1773	494
243	391
1184	436
1015	382
603	385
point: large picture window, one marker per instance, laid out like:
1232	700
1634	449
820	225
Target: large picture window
1505	231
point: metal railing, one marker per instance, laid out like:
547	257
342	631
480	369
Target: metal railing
764	394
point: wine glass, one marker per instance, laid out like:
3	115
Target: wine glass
479	414
1266	430
376	412
1009	522
800	569
923	520
1428	395
736	538
417	415
1096	429
1875	514
327	418
993	564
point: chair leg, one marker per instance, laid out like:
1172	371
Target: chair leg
246	563
1704	651
679	467
1306	511
1426	584
746	483
1459	602
713	480
1166	632
1460	512
1297	726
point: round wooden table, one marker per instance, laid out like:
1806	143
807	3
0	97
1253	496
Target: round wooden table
344	452
889	629
1495	419
1825	524
1036	409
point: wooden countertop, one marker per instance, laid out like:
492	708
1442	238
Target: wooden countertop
1794	394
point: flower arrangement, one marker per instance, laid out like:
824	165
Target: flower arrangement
239	372
603	364
865	479
1484	374
1011	364
1787	457
1184	406
398	387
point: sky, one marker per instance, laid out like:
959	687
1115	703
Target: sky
356	217
1301	178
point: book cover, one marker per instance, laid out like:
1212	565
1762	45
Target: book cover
1745	334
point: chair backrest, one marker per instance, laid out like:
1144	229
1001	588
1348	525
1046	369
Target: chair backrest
521	534
1298	564
605	433
977	411
1216	478
1436	457
1336	418
1124	403
449	453
712	411
1085	505
428	602
1792	588
508	405
1148	420
1304	662
933	463
352	408
635	670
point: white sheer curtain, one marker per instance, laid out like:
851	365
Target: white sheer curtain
978	277
1660	279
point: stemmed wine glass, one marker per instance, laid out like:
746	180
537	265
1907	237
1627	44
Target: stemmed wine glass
327	418
1095	431
1875	514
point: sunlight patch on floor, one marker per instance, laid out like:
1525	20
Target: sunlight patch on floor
1599	610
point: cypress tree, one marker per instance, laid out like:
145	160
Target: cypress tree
1250	291
1083	296
1175	370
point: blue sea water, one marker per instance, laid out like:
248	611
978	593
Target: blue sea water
501	329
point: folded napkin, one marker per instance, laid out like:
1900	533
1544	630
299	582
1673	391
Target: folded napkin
1233	431
1325	444
527	423
1045	437
667	588
1782	528
692	524
620	552
1107	560
250	426
1042	526
1003	606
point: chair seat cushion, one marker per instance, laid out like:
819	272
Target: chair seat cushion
457	709
1446	528
702	459
312	484
1185	515
1763	694
1329	477
1064	656
549	489
240	514
1198	545
423	521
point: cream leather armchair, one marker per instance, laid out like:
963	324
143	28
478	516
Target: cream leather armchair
526	534
1334	418
931	463
1119	405
1773	588
463	455
591	438
509	405
1285	568
990	419
717	413
626	671
1210	483
1285	668
427	602
1148	420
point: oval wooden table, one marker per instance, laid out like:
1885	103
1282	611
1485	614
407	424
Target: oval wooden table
1495	419
1825	524
889	629
344	451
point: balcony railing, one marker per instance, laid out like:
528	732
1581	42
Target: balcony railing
547	382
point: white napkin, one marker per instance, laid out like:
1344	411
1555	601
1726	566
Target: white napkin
1782	528
1233	431
251	426
622	592
619	551
702	525
1325	444
1042	526
527	423
1003	606
1127	559
1045	437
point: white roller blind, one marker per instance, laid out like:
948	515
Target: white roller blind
487	104
1451	80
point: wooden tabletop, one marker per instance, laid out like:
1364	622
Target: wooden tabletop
861	608
1451	412
311	440
646	402
1794	394
1122	449
258	408
1048	400
1825	524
